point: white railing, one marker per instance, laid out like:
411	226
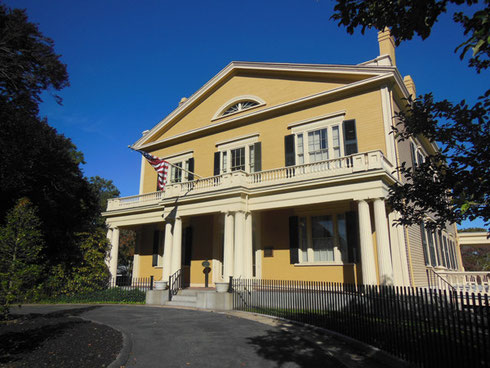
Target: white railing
134	201
472	282
330	167
339	166
201	184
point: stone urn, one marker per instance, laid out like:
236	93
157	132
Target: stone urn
221	286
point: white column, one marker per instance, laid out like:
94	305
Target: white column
383	243
239	240
257	237
108	255
136	256
248	247
114	253
367	248
228	257
177	246
167	251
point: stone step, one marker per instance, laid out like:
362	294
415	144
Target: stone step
178	303
187	292
185	298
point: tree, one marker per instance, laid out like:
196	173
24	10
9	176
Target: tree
21	243
28	63
452	184
105	190
475	258
35	161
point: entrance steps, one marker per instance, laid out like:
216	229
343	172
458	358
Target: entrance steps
199	298
184	298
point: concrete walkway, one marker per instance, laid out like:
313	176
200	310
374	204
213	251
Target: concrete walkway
168	337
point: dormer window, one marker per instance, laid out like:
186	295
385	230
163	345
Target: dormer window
237	105
240	106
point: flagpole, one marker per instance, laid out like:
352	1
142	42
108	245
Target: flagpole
180	168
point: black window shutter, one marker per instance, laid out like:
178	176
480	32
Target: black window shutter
258	156
352	237
190	176
187	246
350	137
156	239
290	155
293	240
216	163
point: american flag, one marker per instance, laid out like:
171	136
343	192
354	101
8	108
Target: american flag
161	167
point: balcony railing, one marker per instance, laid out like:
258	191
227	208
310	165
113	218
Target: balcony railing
470	281
285	175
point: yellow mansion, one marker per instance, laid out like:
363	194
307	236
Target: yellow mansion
292	165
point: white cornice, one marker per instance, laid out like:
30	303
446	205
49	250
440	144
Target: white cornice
236	66
332	92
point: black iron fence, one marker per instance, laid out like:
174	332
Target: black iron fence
422	326
174	284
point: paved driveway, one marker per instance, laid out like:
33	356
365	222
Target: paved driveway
165	337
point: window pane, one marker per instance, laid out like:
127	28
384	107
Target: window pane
432	249
251	157
224	161
300	149
342	231
322	237
317	145
336	142
176	172
303	239
238	159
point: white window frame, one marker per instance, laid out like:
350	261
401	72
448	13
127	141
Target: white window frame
326	122
340	252
177	158
225	148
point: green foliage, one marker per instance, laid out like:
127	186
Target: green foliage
410	17
87	274
127	243
21	242
112	295
35	161
472	230
104	190
452	184
475	258
28	62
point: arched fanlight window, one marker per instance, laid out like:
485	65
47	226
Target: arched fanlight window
238	104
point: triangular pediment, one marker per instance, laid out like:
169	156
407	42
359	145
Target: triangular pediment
271	86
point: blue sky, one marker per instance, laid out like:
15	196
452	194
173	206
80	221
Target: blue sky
130	62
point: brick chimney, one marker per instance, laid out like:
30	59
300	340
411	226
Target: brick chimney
409	83
387	45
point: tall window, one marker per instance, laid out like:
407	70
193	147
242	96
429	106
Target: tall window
322	140
323	238
318	145
238	159
181	168
239	155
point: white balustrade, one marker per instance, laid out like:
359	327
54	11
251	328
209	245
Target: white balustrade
338	166
134	201
472	282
